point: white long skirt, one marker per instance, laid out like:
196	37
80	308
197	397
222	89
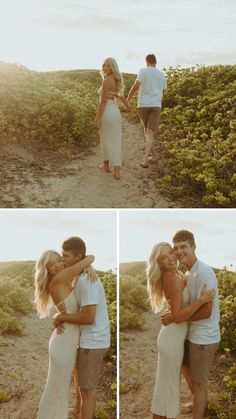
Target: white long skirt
110	133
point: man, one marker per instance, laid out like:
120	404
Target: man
94	329
150	83
204	333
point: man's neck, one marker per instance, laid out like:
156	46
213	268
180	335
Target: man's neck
151	65
191	262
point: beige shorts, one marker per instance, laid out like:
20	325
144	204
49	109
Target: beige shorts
89	367
199	359
150	117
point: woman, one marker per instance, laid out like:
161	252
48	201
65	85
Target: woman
53	286
166	283
108	119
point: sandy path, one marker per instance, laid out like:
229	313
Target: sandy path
30	354
138	358
78	183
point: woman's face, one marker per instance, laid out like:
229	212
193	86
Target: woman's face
106	69
167	259
54	264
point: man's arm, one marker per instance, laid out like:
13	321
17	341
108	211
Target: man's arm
133	90
85	316
203	312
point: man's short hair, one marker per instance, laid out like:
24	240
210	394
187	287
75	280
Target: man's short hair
151	59
75	245
184	235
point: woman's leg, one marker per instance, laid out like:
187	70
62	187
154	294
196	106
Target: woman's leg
76	411
117	172
105	166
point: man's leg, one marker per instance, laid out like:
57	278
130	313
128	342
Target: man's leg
89	365
201	359
199	400
149	145
88	403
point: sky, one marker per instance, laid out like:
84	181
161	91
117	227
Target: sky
79	34
26	234
214	231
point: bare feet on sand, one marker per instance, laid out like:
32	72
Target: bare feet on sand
73	413
104	168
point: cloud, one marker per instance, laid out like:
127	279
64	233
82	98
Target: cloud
93	23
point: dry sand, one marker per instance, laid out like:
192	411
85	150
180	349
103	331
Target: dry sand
76	182
138	360
29	353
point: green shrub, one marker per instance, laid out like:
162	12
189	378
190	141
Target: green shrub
195	145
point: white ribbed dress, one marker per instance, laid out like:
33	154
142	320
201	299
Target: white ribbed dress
110	132
170	345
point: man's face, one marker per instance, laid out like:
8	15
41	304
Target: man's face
69	258
185	252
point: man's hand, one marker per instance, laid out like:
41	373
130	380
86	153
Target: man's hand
58	323
166	318
92	276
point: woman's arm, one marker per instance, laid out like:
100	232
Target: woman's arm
102	103
172	289
69	273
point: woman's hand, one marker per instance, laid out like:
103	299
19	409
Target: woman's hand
58	323
207	296
97	123
91	274
91	258
166	318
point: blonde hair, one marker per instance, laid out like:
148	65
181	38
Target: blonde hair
115	72
154	278
43	300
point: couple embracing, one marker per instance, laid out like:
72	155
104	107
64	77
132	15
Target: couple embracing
150	83
190	334
81	335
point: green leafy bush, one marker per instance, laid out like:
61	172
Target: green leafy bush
195	144
133	301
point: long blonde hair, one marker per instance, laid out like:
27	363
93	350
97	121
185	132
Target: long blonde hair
154	278
43	300
115	72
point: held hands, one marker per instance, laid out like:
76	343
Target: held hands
128	107
207	296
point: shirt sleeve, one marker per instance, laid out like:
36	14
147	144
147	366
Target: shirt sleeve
208	278
88	292
140	76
